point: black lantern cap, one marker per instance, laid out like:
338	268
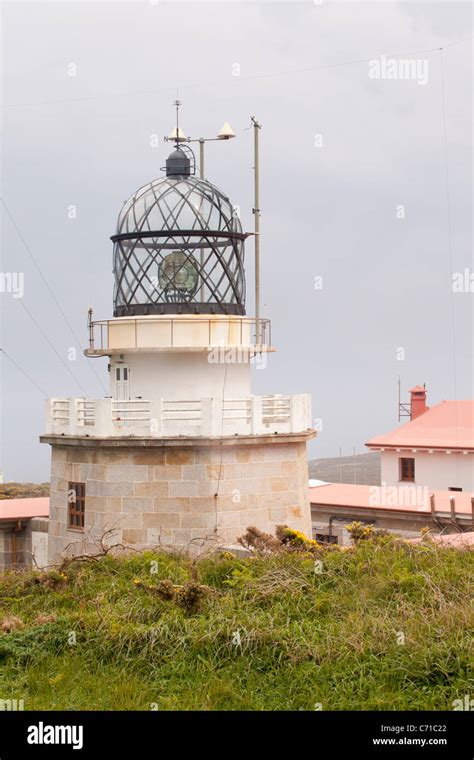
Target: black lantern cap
178	164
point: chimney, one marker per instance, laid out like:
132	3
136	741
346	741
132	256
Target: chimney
417	401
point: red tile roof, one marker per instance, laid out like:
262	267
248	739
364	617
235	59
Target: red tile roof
448	425
458	540
402	499
17	509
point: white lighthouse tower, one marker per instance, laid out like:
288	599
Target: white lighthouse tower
180	453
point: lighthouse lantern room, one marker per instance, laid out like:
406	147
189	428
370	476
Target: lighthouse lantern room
180	453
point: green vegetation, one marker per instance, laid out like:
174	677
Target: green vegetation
290	627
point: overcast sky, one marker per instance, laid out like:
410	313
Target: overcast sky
353	190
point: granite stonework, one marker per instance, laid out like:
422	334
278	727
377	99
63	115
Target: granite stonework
181	496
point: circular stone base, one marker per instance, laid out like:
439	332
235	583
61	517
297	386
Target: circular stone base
185	495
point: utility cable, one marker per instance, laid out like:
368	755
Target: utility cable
30	254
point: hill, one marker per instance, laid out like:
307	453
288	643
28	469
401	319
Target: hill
381	626
363	469
23	490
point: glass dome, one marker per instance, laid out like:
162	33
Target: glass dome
179	249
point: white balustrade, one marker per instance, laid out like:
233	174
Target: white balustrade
206	417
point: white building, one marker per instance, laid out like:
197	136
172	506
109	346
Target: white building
180	453
435	449
427	478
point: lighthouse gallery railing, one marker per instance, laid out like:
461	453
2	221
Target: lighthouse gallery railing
206	417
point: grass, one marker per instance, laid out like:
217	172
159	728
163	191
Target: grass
263	633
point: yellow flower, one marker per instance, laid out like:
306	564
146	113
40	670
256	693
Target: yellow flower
56	679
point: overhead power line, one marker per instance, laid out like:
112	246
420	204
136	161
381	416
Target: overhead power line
68	369
197	85
15	364
450	244
73	333
448	209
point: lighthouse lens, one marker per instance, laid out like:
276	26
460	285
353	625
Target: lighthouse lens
178	276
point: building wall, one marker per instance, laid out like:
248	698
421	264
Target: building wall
166	496
153	375
405	525
5	555
438	471
37	542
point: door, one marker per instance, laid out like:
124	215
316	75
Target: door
122	390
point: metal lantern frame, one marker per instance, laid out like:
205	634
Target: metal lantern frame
189	216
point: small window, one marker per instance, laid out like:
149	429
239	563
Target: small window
125	373
407	470
454	488
76	497
117	373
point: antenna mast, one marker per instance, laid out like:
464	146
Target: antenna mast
177	103
404	409
256	212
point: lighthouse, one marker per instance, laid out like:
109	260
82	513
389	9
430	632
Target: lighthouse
180	453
